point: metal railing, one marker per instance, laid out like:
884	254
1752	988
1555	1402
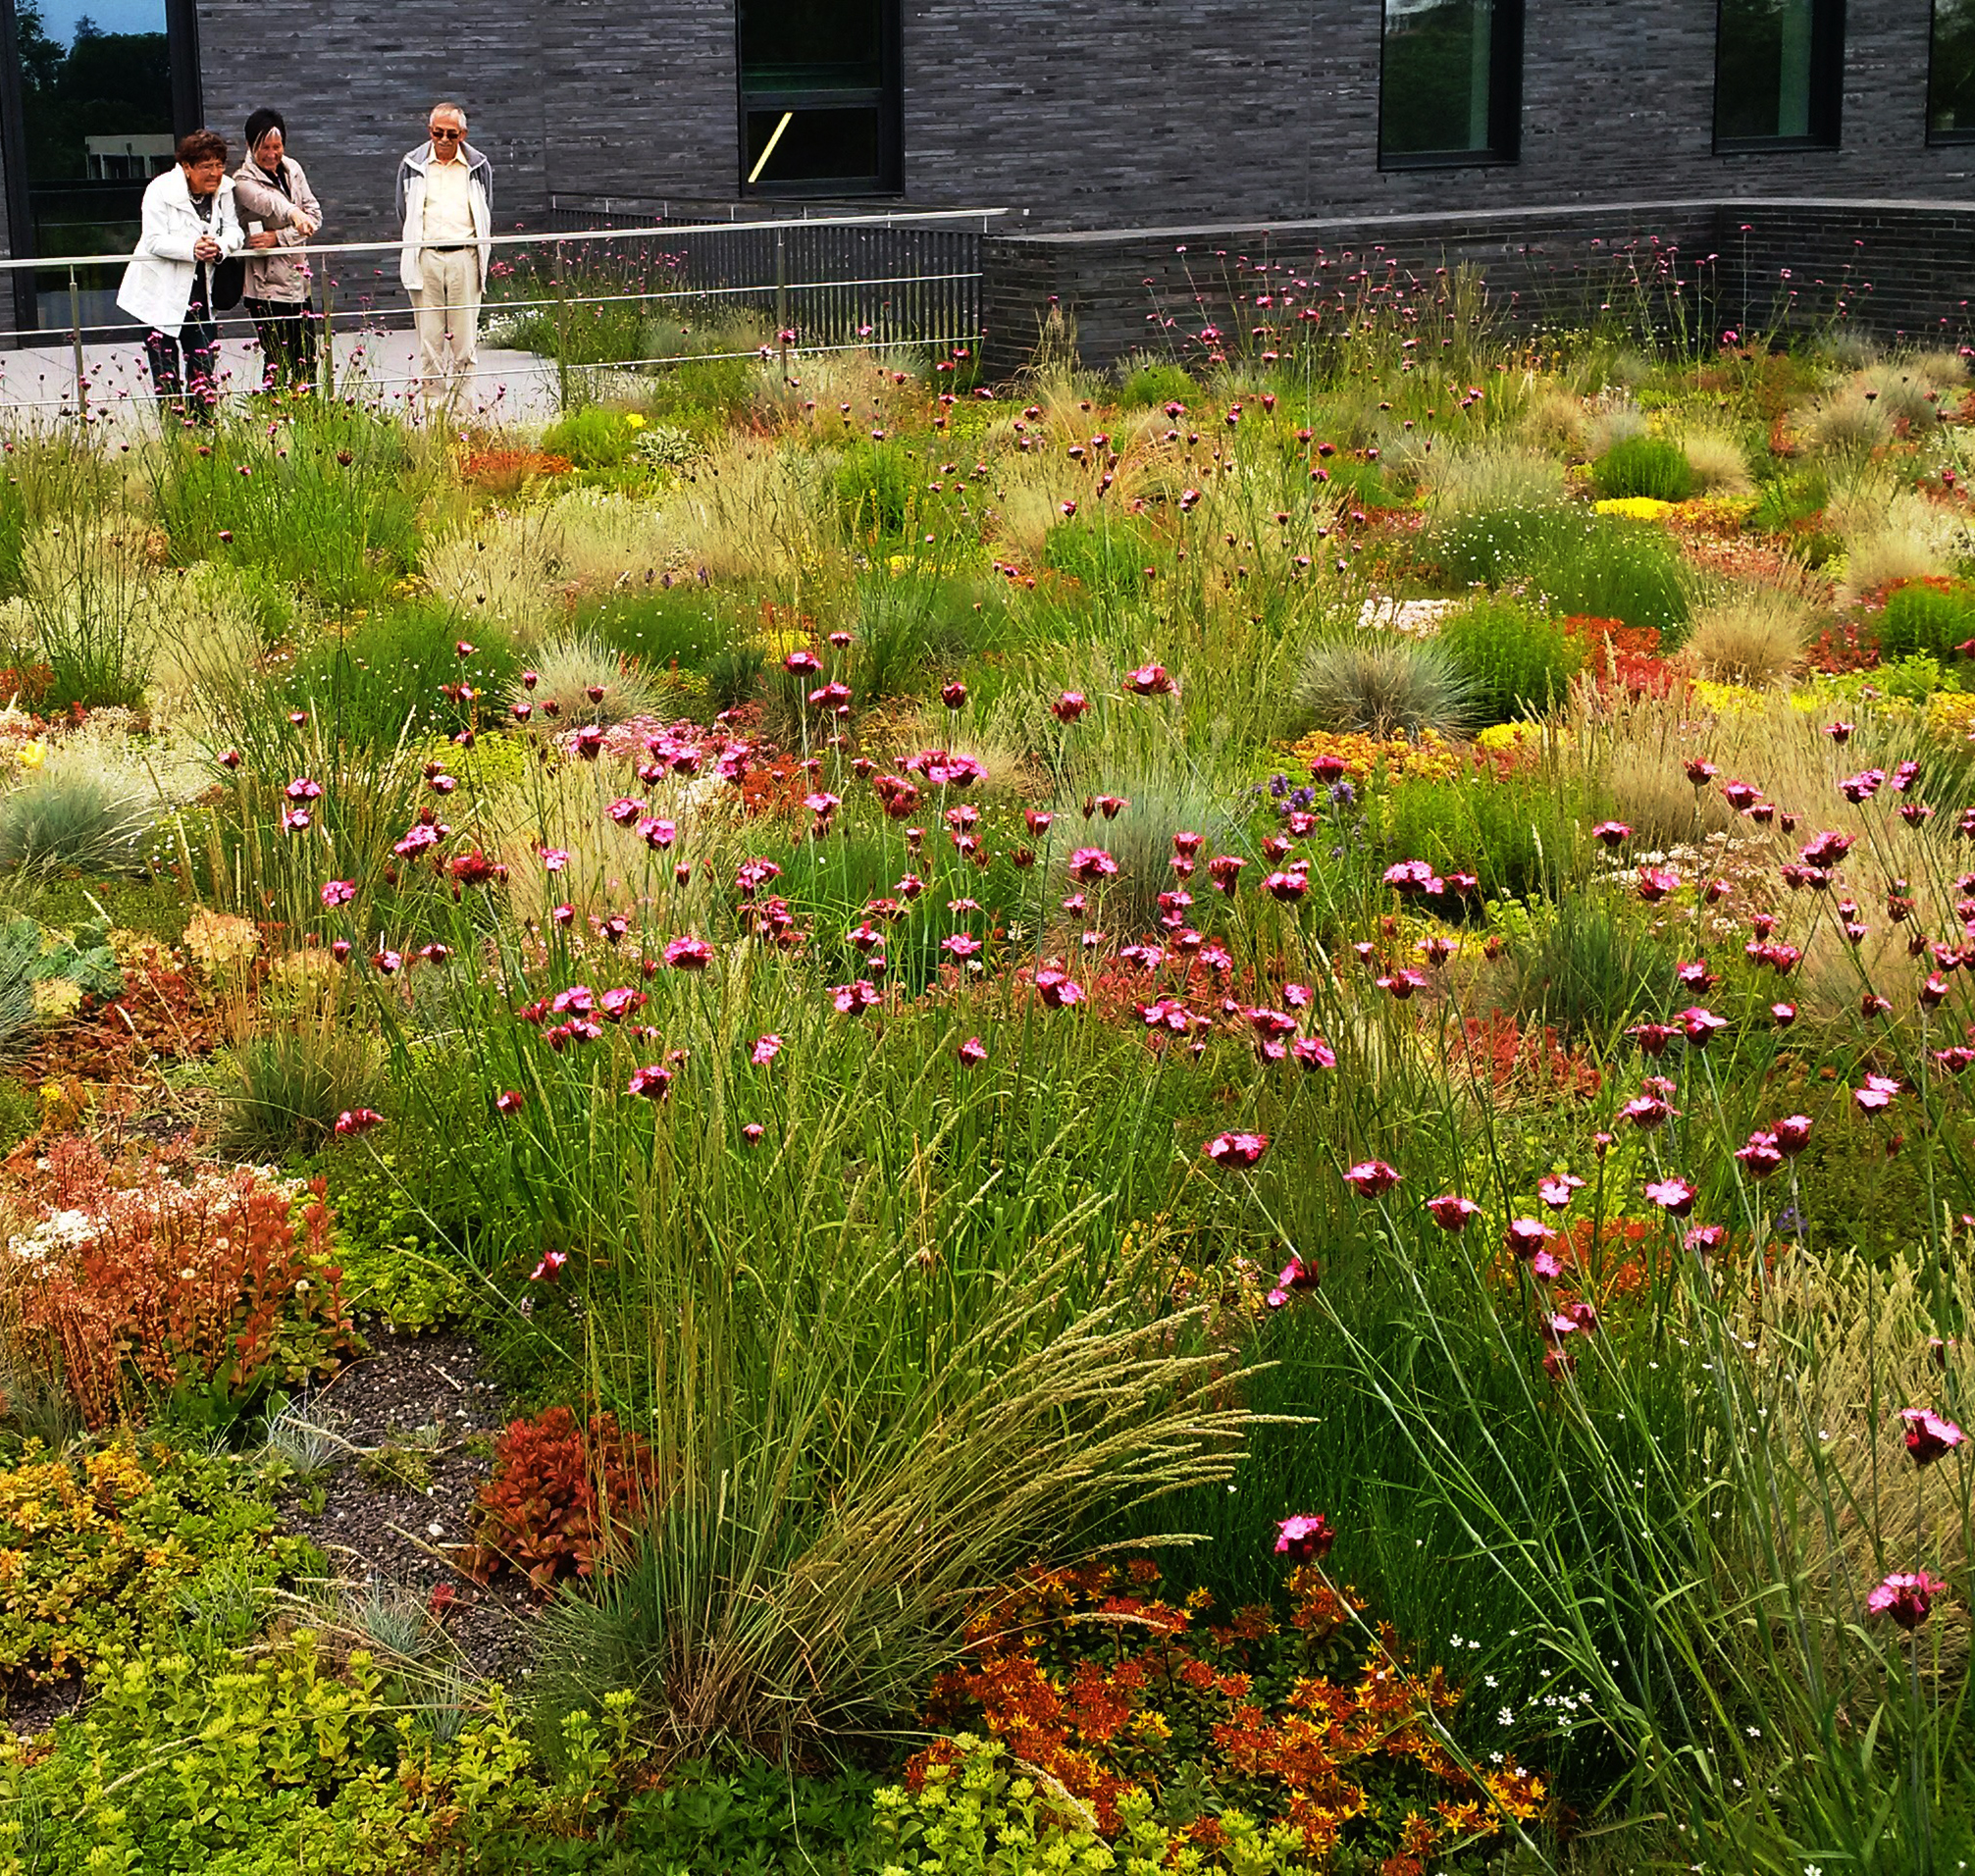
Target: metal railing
893	277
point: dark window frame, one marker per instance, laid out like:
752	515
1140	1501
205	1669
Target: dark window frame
888	96
1827	88
181	35
1505	100
1963	134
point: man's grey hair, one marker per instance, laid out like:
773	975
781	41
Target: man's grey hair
446	104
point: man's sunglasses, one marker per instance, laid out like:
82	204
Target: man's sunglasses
446	136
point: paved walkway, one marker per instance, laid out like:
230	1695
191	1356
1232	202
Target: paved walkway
38	385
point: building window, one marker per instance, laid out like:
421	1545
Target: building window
1450	82
820	97
1951	73
1778	70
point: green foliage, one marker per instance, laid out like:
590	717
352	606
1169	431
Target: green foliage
1111	556
1157	384
1515	660
593	437
286	1091
72	818
398	1260
128	1543
1483	547
30	954
973	1815
389	676
1383	684
877	491
1610	568
1644	465
1926	618
327	501
686	625
1588	970
734	676
1508	831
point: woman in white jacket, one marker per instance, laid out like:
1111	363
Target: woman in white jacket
190	225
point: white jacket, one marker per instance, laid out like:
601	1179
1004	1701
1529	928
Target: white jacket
158	282
411	208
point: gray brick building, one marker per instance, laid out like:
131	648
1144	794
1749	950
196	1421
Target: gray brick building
1108	114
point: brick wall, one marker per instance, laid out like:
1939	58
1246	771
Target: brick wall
1078	113
1897	268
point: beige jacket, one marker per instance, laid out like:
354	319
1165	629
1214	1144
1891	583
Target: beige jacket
272	273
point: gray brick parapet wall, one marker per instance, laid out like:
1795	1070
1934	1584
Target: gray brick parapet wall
1894	268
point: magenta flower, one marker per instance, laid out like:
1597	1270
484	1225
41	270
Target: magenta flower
1150	680
1224	869
802	663
1839	732
853	999
1761	1156
1525	1237
549	1267
295	821
1705	1239
1451	1212
553	859
972	1052
1612	833
961	945
1656	882
337	891
1877	1093
689	954
1699	1025
1312	1052
1371	1178
510	1101
652	1081
767	1049
1646	1111
1700	773
1555	1191
1928	1435
1070	707
301	789
954	695
1293	1276
1674	1196
231	759
752	1133
1236	1149
1414	876
1288	887
388	963
1057	988
1091	863
1304	1538
1783	1013
353	1121
1652	1037
1906	1597
624	810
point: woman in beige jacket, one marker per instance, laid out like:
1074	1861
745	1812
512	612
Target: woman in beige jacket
280	212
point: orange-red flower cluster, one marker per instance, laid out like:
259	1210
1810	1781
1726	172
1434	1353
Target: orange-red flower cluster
1095	1677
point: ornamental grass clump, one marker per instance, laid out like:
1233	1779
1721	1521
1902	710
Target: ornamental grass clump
1753	634
1383	685
1512	658
1644	465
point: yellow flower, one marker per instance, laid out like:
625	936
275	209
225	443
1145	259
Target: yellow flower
1951	714
31	755
632	420
1637	507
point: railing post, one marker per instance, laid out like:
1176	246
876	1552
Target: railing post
329	338
782	300
75	338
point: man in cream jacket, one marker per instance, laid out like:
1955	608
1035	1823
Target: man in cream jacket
446	203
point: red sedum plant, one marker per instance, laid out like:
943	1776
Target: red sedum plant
558	1494
156	1274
